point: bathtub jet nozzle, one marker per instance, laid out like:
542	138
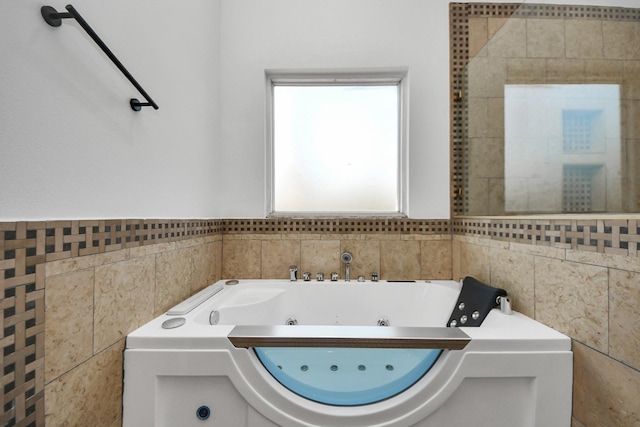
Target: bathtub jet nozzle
346	257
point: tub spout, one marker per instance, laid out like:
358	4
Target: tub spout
293	272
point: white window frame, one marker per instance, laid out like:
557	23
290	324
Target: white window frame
399	77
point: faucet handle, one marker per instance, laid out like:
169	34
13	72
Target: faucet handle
334	277
306	276
320	277
374	277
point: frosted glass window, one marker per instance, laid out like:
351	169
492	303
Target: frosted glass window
336	148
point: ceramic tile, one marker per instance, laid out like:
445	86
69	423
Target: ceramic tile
545	38
320	256
478	191
90	394
124	295
573	299
400	260
435	260
380	237
190	243
366	257
584	38
576	423
630	111
80	263
204	266
631	87
496	196
474	261
174	274
482	157
510	41
152	249
486	77
494	25
621	39
241	259
603	71
456	269
514	272
540	250
482	241
566	71
278	256
526	71
605	260
478	117
495	112
217	252
69	321
604	390
624	324
478	36
421	237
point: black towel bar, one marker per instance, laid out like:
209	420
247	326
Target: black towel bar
54	18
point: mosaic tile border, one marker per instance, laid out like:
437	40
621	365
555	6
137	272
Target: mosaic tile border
575	11
337	225
459	14
607	236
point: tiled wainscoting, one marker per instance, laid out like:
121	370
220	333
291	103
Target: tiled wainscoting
581	277
395	249
72	290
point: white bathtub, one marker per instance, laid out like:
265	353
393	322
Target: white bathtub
511	371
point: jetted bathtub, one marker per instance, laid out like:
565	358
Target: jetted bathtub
279	353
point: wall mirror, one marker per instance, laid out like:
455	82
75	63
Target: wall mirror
546	109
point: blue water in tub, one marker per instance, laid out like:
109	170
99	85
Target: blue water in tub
347	376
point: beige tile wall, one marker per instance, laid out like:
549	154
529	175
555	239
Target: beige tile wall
93	302
98	272
392	256
592	297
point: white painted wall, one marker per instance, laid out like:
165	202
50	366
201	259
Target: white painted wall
354	34
71	147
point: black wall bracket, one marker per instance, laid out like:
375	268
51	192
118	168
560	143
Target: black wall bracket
54	18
